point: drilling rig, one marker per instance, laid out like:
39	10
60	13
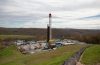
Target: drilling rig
49	31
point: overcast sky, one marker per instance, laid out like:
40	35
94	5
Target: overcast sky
81	14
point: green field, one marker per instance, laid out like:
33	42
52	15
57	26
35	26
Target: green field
11	56
91	55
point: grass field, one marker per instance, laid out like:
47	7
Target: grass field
91	55
12	37
11	56
1	46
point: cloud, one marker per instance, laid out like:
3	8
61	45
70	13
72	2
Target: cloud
65	13
92	17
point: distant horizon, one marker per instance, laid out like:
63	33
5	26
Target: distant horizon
52	28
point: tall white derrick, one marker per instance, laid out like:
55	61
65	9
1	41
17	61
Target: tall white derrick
50	30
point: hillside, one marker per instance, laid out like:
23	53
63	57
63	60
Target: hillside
91	56
85	35
39	31
11	56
